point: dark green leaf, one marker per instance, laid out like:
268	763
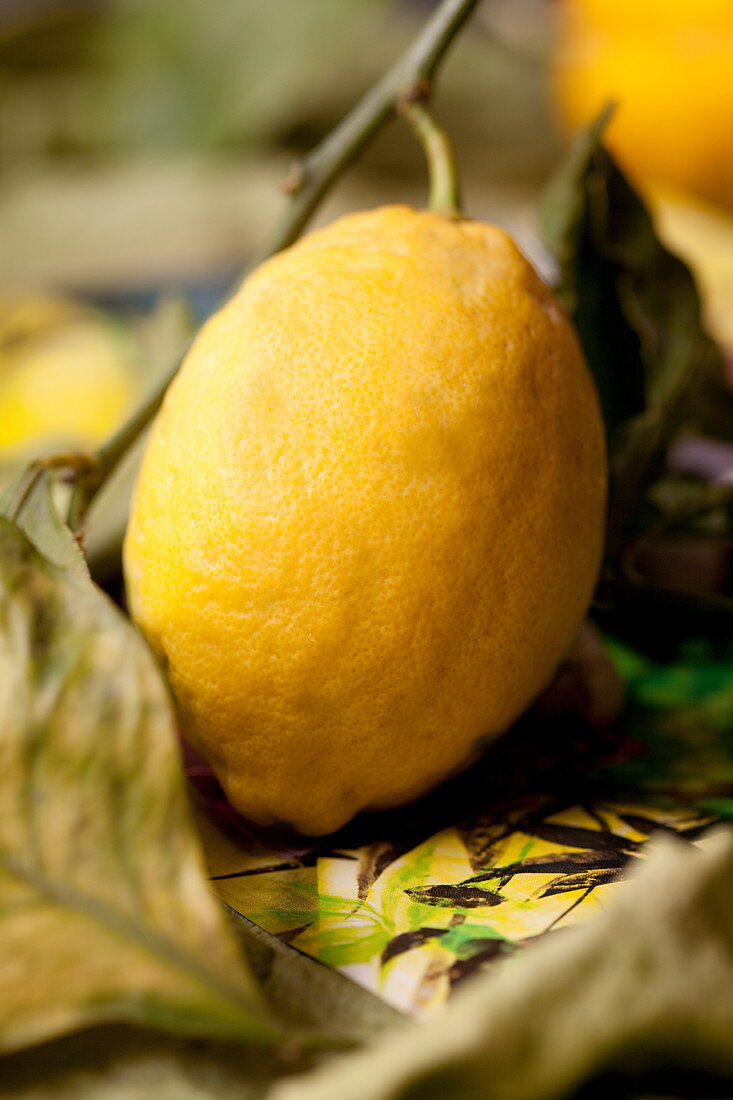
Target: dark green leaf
637	312
586	278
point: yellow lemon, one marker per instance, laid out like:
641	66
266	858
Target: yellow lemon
67	375
370	515
669	66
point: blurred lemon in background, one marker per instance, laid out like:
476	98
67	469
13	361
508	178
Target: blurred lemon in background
668	64
68	375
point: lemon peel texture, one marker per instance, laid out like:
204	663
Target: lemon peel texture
370	515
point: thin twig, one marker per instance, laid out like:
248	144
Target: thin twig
309	183
317	171
117	446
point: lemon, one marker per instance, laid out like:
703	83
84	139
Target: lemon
370	514
669	66
67	375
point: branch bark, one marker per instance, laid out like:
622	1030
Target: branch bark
321	167
311	180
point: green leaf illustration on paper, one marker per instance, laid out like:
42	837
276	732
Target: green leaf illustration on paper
576	1004
105	913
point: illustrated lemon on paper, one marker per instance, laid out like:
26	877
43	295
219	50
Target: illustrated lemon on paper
370	516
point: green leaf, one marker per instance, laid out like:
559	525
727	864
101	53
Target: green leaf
31	500
585	282
637	311
651	977
105	913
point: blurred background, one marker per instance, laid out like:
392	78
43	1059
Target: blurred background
143	142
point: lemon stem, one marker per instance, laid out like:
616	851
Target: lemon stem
312	176
444	187
110	453
308	184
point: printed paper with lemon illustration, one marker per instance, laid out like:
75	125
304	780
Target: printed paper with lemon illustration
409	904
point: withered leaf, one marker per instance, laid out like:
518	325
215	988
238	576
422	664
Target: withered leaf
105	913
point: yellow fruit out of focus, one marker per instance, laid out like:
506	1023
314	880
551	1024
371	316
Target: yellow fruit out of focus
668	64
370	515
67	375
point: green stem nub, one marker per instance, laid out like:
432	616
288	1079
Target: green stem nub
445	194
